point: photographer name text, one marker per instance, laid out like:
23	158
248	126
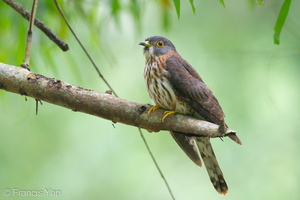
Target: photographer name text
31	192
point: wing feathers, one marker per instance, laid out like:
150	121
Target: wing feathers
189	85
188	146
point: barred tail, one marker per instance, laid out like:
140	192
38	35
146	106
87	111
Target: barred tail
211	164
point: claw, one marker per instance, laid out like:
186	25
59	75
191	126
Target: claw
153	108
166	114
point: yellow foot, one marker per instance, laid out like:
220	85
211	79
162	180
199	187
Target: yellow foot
166	114
153	108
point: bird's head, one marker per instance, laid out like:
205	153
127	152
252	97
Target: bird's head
156	46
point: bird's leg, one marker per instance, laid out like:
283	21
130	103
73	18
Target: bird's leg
153	108
166	114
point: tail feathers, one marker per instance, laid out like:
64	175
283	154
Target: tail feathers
188	146
211	164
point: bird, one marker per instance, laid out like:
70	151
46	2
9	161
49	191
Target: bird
174	85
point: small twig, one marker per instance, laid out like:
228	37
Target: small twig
29	43
38	23
157	166
84	49
37	105
29	36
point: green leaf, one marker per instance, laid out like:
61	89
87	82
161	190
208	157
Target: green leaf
193	7
135	11
261	2
166	21
115	7
281	20
177	7
222	2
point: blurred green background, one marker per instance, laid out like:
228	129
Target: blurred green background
84	157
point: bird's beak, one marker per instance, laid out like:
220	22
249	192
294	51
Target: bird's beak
145	44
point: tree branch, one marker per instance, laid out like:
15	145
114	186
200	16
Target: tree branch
21	81
29	36
38	23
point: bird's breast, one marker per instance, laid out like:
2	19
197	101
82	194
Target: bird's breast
160	89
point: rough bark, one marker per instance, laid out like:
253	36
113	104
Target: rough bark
21	81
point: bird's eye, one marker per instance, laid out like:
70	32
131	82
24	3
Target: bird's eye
160	43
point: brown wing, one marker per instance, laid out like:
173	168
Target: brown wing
188	84
188	146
